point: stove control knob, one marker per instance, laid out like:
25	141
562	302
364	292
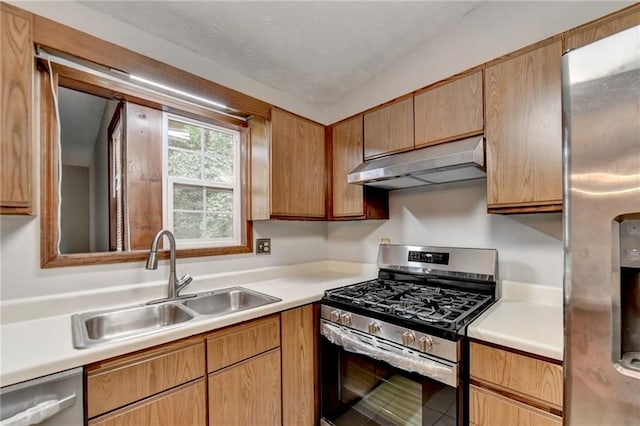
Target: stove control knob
335	315
345	319
408	338
425	343
373	327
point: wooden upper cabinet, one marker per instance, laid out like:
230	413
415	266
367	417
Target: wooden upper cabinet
348	199
389	129
16	79
523	127
604	27
298	167
450	111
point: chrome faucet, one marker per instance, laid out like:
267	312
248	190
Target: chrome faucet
175	284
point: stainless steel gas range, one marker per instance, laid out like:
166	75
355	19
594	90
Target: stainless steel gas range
393	348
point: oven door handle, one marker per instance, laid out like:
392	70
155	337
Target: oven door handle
440	371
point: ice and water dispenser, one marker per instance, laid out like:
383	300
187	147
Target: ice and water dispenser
629	330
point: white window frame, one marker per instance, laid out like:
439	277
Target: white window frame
169	181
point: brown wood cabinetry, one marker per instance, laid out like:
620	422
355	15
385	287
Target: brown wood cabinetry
349	201
118	382
184	405
604	27
298	167
488	408
449	111
237	343
389	129
248	393
513	388
300	366
245	374
16	100
523	127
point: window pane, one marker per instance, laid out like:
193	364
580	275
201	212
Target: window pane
187	225
187	197
219	143
219	200
185	136
218	169
184	164
219	225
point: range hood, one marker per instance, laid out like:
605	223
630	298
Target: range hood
448	162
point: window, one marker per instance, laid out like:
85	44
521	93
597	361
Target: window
202	175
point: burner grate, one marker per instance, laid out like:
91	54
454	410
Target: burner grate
413	301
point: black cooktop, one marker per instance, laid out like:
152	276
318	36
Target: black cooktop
417	305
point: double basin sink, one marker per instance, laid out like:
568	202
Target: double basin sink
93	328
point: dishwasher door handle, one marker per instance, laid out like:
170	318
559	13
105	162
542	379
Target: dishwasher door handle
40	412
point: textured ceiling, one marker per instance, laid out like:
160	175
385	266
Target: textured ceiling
317	51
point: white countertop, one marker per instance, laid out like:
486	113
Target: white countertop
528	318
31	348
35	336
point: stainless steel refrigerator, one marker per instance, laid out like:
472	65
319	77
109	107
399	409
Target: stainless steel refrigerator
601	126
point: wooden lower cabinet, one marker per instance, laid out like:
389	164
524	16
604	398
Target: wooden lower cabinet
300	394
259	372
509	388
248	393
184	405
487	408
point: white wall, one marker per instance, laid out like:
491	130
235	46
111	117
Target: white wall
99	183
529	247
74	226
21	275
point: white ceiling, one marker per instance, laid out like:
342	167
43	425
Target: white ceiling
316	51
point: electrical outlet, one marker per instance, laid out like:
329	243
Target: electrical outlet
263	245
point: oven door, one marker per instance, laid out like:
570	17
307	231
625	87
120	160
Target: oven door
359	389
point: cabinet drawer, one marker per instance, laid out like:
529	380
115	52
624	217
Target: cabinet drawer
517	373
121	381
184	405
243	341
248	393
487	409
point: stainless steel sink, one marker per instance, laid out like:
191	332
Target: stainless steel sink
226	301
93	328
96	327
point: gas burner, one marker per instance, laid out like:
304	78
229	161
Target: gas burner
414	301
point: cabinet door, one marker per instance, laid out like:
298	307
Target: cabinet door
300	378
298	171
248	393
348	199
612	24
488	409
16	77
184	405
524	132
389	129
450	111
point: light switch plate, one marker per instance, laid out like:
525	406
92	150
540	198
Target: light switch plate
263	245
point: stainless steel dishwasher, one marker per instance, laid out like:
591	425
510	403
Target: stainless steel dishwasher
54	400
